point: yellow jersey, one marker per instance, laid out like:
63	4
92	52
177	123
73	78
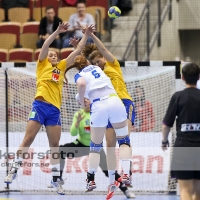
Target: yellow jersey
114	72
50	81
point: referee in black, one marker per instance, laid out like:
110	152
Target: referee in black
185	108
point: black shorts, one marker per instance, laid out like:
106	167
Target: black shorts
76	148
185	175
185	160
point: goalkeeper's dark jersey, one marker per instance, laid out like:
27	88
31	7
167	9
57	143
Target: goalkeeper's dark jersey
185	108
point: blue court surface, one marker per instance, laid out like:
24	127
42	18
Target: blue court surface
83	197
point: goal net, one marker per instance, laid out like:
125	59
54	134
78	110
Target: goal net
150	88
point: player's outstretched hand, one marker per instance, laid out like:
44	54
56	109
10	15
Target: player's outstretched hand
80	116
63	27
88	30
74	42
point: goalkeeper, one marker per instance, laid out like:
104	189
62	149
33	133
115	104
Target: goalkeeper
81	127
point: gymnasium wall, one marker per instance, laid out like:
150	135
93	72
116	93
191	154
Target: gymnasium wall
180	36
189	14
170	42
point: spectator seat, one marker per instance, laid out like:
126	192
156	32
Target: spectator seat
28	40
30	27
20	55
64	53
93	10
12	28
65	12
7	40
45	3
19	14
37	13
3	55
2	15
31	6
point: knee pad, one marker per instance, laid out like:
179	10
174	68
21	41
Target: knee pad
95	148
125	140
121	131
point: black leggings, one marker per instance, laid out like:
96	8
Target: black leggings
77	149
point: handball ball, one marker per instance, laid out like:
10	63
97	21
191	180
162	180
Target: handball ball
114	12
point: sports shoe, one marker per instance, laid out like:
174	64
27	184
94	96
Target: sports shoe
58	187
129	194
91	185
12	174
125	184
126	180
60	181
111	189
10	177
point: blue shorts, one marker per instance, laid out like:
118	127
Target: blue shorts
129	110
45	113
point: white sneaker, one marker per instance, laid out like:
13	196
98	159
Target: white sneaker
10	177
111	189
129	194
127	180
60	181
58	187
12	174
90	186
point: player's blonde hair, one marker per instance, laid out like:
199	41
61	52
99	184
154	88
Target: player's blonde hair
79	63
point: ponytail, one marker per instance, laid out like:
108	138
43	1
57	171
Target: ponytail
79	63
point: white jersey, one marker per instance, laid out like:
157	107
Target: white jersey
198	84
95	78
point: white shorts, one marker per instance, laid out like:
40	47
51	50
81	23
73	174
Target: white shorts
111	109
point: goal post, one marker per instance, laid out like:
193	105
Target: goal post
151	89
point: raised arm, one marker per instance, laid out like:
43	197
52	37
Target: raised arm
77	51
106	54
81	44
81	90
74	42
74	127
45	47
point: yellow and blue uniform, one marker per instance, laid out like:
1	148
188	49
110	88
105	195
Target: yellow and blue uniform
48	86
114	72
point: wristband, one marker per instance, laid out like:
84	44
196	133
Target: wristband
164	144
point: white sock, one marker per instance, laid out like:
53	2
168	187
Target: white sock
111	174
92	170
15	164
57	167
18	159
125	166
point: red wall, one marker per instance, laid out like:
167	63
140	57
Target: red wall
103	3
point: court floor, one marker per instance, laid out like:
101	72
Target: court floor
83	197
